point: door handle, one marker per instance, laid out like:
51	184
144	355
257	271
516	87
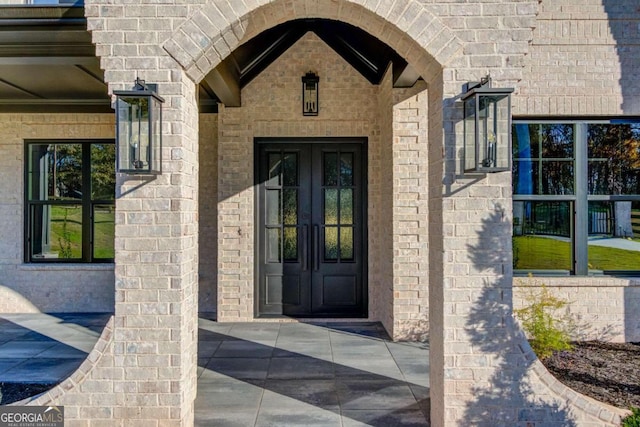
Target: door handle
305	247
316	247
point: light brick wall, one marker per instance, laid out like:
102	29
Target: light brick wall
208	214
381	212
44	287
410	213
235	216
582	60
603	308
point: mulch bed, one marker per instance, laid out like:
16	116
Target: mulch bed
15	392
608	372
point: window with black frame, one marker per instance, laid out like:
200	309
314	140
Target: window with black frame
70	195
576	197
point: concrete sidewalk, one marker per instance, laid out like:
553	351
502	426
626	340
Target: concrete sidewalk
250	374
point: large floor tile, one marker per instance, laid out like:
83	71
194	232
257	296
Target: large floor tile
375	394
300	368
246	368
383	418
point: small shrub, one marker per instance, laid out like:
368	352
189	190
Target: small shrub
632	420
65	241
547	331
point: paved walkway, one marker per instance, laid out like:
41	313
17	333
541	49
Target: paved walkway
249	374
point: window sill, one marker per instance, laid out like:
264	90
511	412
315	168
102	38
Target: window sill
67	266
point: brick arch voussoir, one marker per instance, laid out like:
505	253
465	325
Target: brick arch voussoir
218	27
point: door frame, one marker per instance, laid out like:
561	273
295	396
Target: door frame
364	142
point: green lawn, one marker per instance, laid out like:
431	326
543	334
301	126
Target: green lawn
66	231
542	253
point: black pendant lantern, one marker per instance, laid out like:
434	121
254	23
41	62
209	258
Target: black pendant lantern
310	94
139	129
487	127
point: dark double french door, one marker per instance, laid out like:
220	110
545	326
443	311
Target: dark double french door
311	243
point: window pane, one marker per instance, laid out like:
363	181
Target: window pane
604	177
275	169
614	158
273	207
290	206
104	221
556	178
331	243
535	146
55	171
614	235
526	177
346	169
346	243
330	206
56	231
346	206
556	140
330	169
290	244
526	141
290	169
542	236
103	177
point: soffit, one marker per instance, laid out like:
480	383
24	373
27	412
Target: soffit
47	61
364	52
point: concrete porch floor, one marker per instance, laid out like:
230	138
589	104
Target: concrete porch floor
252	374
309	374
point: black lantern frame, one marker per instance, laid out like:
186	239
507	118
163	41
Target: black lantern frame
139	129
310	86
487	127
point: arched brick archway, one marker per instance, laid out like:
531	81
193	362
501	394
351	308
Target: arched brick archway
216	29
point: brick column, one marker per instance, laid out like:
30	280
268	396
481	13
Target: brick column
155	331
155	334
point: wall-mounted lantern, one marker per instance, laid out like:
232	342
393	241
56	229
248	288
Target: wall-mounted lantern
310	94
487	127
139	129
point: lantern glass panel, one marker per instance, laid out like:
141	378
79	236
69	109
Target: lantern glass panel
310	95
470	155
493	132
133	134
156	135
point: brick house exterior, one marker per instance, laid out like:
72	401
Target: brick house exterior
439	253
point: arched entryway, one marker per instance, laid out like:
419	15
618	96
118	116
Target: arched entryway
307	265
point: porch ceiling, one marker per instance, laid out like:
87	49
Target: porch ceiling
367	54
47	61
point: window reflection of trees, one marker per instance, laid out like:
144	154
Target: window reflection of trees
543	159
614	159
65	171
